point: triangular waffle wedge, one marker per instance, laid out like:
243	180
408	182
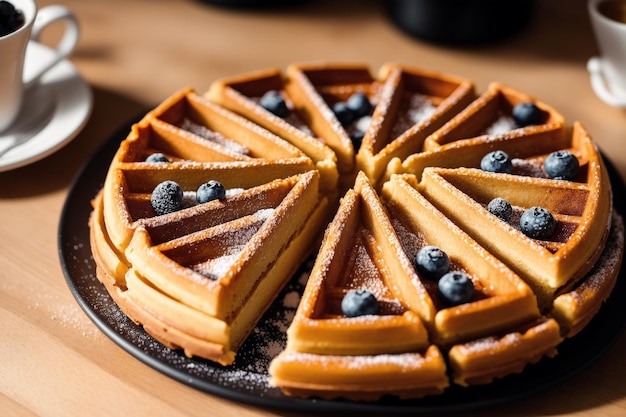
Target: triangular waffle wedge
574	309
582	210
129	172
501	299
412	104
219	241
217	126
491	115
483	126
203	262
330	354
315	88
482	360
242	95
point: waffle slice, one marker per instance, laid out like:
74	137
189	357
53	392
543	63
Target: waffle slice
242	94
484	126
575	309
193	114
329	354
413	104
582	210
149	306
482	360
501	300
315	88
197	278
192	155
221	242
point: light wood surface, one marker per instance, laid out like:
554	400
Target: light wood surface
133	54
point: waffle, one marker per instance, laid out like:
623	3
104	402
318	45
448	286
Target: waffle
413	104
315	88
360	251
582	209
300	182
483	126
379	239
200	263
242	94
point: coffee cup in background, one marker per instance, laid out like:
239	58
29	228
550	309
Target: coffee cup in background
608	71
15	74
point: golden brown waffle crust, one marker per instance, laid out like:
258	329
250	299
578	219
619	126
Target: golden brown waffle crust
420	175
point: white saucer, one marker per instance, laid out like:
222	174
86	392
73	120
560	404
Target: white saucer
54	111
601	85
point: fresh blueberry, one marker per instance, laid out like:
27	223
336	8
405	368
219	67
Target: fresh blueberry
562	165
497	161
526	114
455	288
343	113
209	191
432	262
501	208
537	223
359	303
167	197
274	102
357	138
360	104
157	157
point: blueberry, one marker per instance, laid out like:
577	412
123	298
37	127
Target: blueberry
562	165
497	161
274	102
209	191
360	104
357	138
432	262
343	113
455	288
537	223
501	208
167	197
157	157
359	303
526	114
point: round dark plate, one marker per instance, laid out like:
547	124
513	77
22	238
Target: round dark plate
246	380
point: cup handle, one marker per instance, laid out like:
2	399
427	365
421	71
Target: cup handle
599	84
46	16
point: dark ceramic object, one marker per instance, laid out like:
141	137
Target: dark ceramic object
460	22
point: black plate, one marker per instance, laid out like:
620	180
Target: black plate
246	380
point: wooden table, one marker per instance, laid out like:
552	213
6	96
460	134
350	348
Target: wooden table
134	53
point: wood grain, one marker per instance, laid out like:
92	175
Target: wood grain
134	53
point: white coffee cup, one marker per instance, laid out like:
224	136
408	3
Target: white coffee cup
608	71
17	75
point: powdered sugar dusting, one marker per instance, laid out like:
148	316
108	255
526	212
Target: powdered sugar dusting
215	137
366	275
529	168
269	338
217	267
419	108
501	125
403	361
